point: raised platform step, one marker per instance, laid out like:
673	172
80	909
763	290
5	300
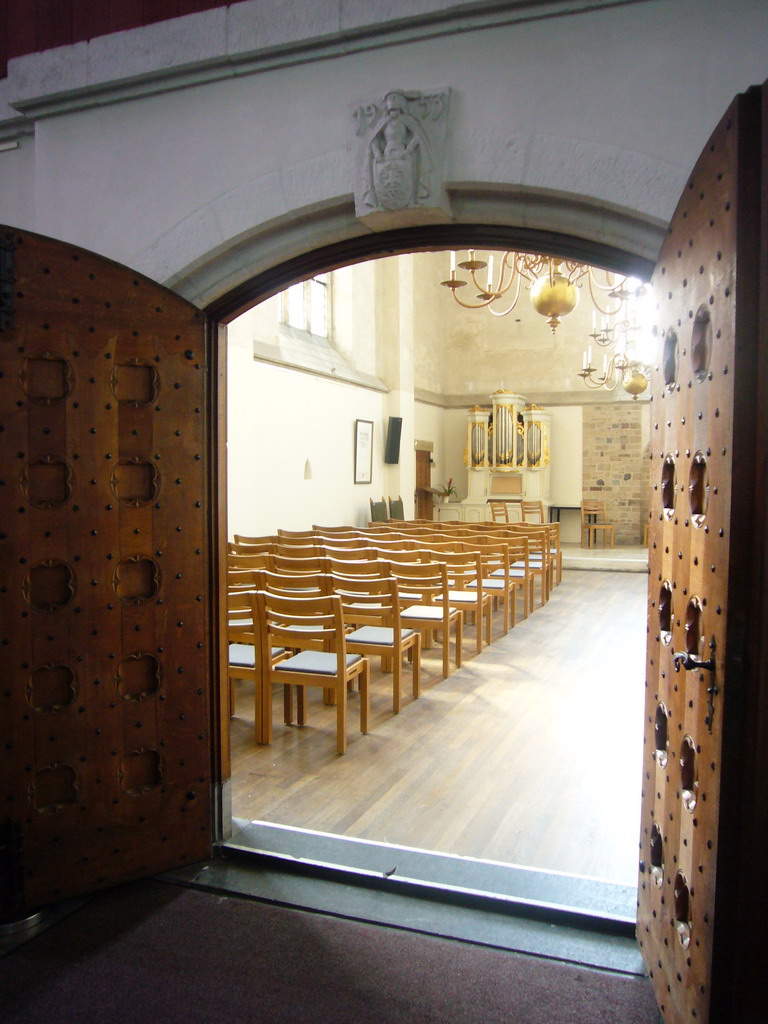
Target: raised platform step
624	559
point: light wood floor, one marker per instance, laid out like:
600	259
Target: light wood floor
530	754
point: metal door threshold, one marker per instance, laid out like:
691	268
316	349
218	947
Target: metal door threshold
541	913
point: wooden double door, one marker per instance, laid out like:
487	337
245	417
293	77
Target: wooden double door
110	541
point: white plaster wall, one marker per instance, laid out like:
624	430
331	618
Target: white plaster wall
429	421
455	440
279	418
610	106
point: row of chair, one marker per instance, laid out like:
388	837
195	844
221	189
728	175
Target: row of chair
307	608
381	514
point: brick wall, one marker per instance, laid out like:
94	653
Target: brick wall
616	466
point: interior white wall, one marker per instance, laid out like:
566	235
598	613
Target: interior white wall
611	105
277	420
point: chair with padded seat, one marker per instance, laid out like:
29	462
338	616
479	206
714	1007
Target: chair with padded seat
313	628
425	604
244	656
499	577
464	570
371	607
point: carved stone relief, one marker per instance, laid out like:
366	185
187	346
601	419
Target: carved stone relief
400	154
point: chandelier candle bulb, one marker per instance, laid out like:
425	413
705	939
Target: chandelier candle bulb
490	273
453	264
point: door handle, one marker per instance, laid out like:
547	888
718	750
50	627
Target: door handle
683	659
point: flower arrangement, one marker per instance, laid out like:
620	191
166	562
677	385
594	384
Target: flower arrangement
448	490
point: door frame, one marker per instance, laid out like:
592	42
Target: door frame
350	250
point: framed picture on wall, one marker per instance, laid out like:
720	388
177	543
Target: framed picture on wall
363	451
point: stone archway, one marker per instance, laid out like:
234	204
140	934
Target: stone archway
233	277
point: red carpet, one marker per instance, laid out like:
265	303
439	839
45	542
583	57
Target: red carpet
151	951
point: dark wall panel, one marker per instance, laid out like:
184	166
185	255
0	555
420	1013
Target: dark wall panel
53	23
89	18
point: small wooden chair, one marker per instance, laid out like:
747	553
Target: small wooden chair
314	628
396	509
424	593
532	511
464	570
593	521
499	511
379	512
371	605
268	538
499	578
244	661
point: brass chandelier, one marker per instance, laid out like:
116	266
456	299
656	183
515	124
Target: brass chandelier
625	364
553	283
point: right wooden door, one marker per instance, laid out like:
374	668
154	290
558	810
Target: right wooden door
704	739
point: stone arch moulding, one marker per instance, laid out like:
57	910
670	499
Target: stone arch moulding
233	276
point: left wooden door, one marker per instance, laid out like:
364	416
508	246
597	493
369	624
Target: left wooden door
105	695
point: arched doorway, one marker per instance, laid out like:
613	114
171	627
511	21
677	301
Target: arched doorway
335	256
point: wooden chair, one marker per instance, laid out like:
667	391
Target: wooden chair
464	570
499	511
539	562
337	542
532	511
499	578
396	510
593	521
552	532
257	560
379	511
298	550
314	628
393	543
325	531
363	552
244	660
302	545
302	536
372	605
241	538
424	595
235	548
301	564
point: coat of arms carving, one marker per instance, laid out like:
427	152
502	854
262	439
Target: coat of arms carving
401	152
